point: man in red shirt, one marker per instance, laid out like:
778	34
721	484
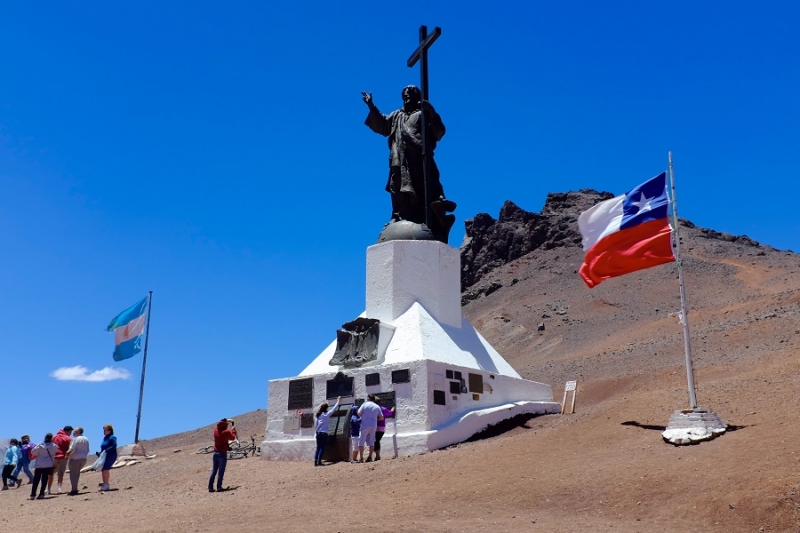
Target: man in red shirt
222	435
62	440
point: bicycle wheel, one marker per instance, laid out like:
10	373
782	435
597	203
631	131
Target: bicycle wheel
237	454
205	449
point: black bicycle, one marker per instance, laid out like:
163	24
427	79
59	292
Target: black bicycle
234	444
243	449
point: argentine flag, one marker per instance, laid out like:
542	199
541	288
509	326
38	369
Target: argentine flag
129	329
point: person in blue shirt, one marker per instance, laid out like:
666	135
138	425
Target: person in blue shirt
23	465
109	445
355	433
9	462
321	427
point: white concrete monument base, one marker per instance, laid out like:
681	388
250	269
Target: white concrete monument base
691	426
448	382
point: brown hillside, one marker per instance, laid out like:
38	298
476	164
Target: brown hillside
605	468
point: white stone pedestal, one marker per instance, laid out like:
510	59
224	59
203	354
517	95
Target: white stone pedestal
690	426
459	384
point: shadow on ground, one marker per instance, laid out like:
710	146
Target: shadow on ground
519	421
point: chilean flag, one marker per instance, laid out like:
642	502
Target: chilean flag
626	233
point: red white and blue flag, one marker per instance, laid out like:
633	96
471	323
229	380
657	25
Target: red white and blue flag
627	233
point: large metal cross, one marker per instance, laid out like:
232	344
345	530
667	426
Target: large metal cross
421	55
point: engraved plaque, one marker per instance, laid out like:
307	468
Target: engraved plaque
291	423
387	399
476	397
457	375
475	383
301	394
455	387
372	379
439	398
448	374
307	420
340	385
401	376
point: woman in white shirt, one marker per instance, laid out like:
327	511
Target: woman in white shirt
45	453
323	416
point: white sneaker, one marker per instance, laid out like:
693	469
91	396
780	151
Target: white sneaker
59	489
104	487
47	491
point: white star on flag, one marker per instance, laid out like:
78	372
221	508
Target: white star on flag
644	204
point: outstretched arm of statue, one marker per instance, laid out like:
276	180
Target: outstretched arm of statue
376	121
367	97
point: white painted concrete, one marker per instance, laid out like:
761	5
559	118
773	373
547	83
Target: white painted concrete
413	287
401	273
419	424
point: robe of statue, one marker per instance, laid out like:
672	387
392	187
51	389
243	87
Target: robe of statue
406	183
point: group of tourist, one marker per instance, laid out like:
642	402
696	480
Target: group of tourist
69	448
367	426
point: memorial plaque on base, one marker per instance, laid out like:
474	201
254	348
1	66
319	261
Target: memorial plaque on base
340	385
371	380
301	394
387	399
439	398
401	376
475	383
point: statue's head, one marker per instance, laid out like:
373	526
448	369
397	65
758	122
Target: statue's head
411	97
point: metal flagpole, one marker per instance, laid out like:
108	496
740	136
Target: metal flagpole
684	311
144	366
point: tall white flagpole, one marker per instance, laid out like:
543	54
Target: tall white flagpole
687	344
687	426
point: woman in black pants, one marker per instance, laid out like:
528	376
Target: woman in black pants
44	452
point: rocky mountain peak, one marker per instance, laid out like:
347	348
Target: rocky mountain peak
490	243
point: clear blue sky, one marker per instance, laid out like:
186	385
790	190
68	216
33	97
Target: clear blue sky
215	153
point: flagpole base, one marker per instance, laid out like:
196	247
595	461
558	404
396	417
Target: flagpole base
690	426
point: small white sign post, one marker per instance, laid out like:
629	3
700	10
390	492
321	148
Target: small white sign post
569	386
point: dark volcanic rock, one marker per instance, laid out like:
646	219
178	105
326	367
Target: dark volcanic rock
490	243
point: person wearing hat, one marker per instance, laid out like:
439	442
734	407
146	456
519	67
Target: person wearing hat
355	434
222	435
370	413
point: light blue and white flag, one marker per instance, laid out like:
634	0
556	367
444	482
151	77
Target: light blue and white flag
129	329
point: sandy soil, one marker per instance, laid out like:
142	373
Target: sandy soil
604	468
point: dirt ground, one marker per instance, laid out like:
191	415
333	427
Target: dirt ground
604	468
